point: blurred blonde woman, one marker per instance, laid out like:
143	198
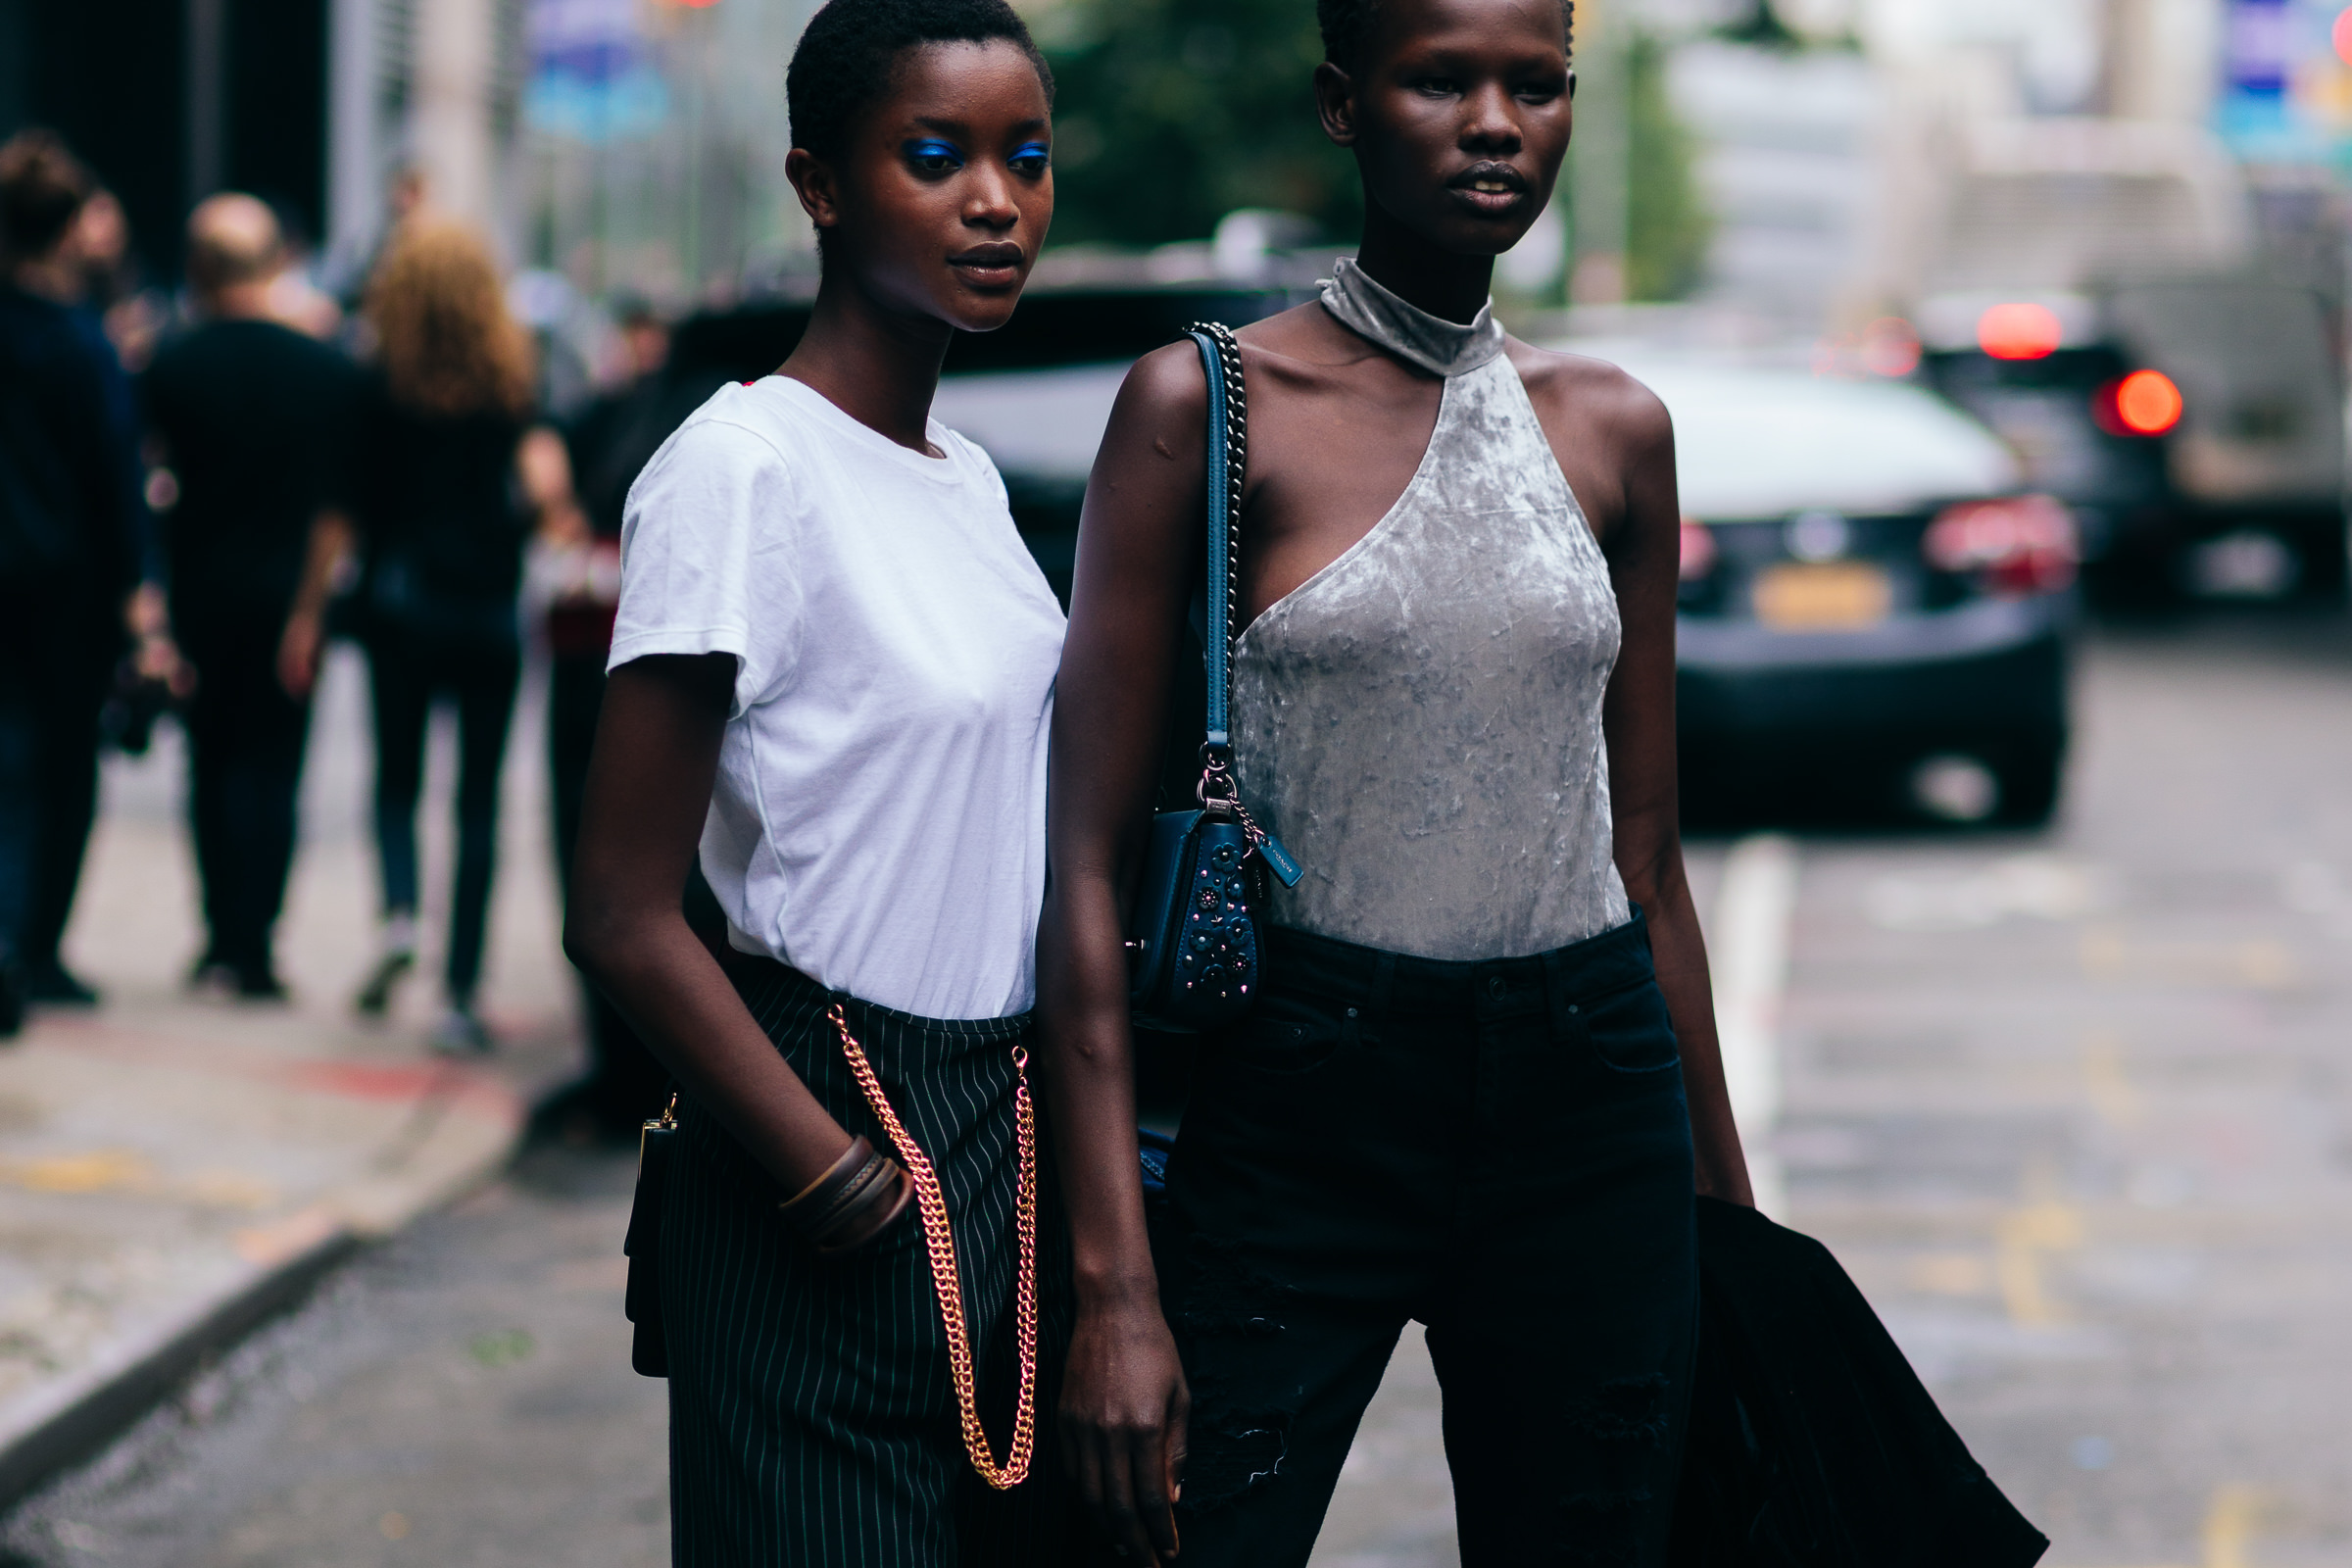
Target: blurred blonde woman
448	476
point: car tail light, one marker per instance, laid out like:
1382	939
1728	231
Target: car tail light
1699	550
2016	545
2020	330
2143	403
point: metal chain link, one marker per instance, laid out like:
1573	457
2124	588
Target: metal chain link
1237	466
940	1238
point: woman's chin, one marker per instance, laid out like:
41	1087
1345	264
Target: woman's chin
970	310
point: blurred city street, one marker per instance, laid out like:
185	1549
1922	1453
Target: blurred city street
2070	1108
2005	349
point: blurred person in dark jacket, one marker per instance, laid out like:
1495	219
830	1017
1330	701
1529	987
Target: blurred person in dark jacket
608	442
132	314
449	473
254	420
71	530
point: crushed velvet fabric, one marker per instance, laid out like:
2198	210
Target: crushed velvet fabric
1406	330
1420	720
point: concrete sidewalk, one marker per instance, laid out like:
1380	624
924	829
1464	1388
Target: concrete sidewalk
173	1168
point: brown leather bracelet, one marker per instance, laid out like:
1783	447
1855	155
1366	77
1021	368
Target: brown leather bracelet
818	1205
873	1214
837	1211
809	1197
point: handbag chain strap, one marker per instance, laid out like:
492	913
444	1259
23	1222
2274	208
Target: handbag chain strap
1228	469
949	1283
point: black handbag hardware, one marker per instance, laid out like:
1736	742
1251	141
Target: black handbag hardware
649	1352
1192	941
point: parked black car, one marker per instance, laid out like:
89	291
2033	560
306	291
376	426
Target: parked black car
1874	611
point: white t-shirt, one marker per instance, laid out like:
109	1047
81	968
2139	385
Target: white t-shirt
878	821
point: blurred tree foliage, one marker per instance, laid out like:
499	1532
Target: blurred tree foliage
1169	114
1667	224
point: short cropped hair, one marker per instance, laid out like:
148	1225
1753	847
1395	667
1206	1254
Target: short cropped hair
233	238
1347	23
43	187
848	57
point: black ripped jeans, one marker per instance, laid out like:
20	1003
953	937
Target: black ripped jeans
1498	1149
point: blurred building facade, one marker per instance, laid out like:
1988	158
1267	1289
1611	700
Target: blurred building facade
627	144
654	135
1858	155
173	99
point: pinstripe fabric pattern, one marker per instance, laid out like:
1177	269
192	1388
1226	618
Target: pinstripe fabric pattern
812	1413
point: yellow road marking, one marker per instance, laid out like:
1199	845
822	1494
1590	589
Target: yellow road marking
2112	1094
2106	955
1950	1274
2230	1521
2043	1223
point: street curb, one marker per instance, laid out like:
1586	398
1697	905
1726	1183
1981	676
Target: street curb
82	1414
107	1400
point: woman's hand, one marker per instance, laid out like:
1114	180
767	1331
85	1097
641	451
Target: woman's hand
1124	1406
298	654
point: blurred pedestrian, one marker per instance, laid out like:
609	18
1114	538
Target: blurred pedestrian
71	542
445	497
132	314
254	420
609	443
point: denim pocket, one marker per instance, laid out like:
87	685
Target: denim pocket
1287	1036
1628	1028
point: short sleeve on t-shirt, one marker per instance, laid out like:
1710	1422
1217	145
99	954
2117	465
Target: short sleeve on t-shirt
707	551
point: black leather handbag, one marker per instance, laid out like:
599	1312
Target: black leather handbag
1194	960
648	1349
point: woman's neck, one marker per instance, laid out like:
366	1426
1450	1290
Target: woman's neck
1448	286
877	366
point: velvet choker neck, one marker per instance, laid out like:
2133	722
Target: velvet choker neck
1404	330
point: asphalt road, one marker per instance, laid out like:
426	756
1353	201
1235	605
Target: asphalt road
2073	1108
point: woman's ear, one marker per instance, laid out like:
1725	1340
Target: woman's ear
814	182
1335	101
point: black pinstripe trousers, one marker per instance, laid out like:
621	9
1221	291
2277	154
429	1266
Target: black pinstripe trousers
813	1418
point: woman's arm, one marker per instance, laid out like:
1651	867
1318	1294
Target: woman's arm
1645	564
1124	1401
648	790
544	465
298	646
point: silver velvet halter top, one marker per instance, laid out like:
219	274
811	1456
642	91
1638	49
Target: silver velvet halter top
1420	720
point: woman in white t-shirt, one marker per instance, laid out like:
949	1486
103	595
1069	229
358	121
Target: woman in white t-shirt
833	669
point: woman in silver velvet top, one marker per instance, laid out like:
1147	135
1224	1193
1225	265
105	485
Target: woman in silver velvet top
1480	1087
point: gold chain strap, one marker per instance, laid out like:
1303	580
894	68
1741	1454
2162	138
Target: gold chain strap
949	1283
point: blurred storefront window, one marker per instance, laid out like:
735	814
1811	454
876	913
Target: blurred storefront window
654	135
2287	83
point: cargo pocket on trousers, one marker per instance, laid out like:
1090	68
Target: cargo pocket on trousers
1628	1028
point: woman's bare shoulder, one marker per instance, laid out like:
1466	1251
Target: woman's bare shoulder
1581	392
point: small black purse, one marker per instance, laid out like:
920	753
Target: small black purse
648	1348
1196	960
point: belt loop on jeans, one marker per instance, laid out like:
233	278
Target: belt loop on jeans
1384	981
1559	995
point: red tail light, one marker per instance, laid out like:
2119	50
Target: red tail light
1699	550
2020	332
2016	545
2143	403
